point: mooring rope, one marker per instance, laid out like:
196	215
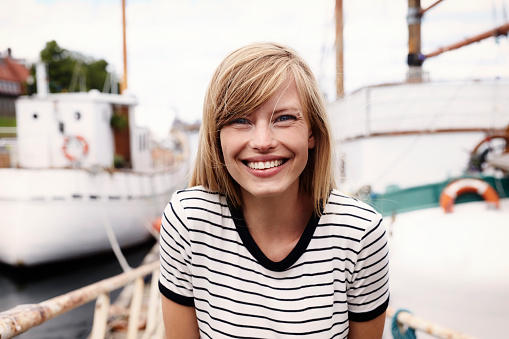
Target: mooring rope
408	333
115	246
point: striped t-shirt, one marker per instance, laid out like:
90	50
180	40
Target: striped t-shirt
337	272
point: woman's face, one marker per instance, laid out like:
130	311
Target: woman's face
266	151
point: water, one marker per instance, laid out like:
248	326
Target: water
34	285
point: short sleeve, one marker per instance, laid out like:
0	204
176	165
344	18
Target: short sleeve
368	292
175	279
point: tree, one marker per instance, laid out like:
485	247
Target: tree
70	71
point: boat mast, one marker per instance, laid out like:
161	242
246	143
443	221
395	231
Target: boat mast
414	59
340	91
123	85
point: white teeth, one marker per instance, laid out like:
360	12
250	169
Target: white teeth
265	165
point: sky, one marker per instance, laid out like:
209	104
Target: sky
174	46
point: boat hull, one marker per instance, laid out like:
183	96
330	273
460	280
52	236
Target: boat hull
61	214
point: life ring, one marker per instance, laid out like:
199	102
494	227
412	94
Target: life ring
81	140
468	185
156	224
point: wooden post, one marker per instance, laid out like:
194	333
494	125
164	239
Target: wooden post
123	85
102	306
153	305
135	309
340	77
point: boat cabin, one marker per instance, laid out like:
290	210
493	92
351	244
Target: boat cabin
80	130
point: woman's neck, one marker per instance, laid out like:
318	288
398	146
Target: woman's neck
277	223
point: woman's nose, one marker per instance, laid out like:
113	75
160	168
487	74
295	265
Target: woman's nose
263	138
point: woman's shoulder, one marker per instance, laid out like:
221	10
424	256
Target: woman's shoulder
340	202
198	195
353	216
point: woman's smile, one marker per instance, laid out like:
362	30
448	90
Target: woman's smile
262	165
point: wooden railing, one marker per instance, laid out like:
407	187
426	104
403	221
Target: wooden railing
416	323
23	317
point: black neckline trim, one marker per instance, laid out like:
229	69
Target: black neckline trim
256	252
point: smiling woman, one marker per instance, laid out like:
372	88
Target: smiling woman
243	85
262	244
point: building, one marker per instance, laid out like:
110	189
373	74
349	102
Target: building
13	78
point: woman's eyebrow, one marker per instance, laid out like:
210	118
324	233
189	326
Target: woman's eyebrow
289	109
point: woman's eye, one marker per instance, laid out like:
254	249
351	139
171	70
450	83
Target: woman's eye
285	117
240	121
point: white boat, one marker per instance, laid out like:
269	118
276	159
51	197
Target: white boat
401	146
64	198
432	157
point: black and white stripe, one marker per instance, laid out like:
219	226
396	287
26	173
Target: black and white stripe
338	270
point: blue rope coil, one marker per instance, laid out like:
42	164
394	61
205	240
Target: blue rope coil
408	333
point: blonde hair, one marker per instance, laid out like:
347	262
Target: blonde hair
246	79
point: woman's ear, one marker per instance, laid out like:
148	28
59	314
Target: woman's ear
311	140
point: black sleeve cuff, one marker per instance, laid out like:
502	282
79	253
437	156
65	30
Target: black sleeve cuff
360	317
179	299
